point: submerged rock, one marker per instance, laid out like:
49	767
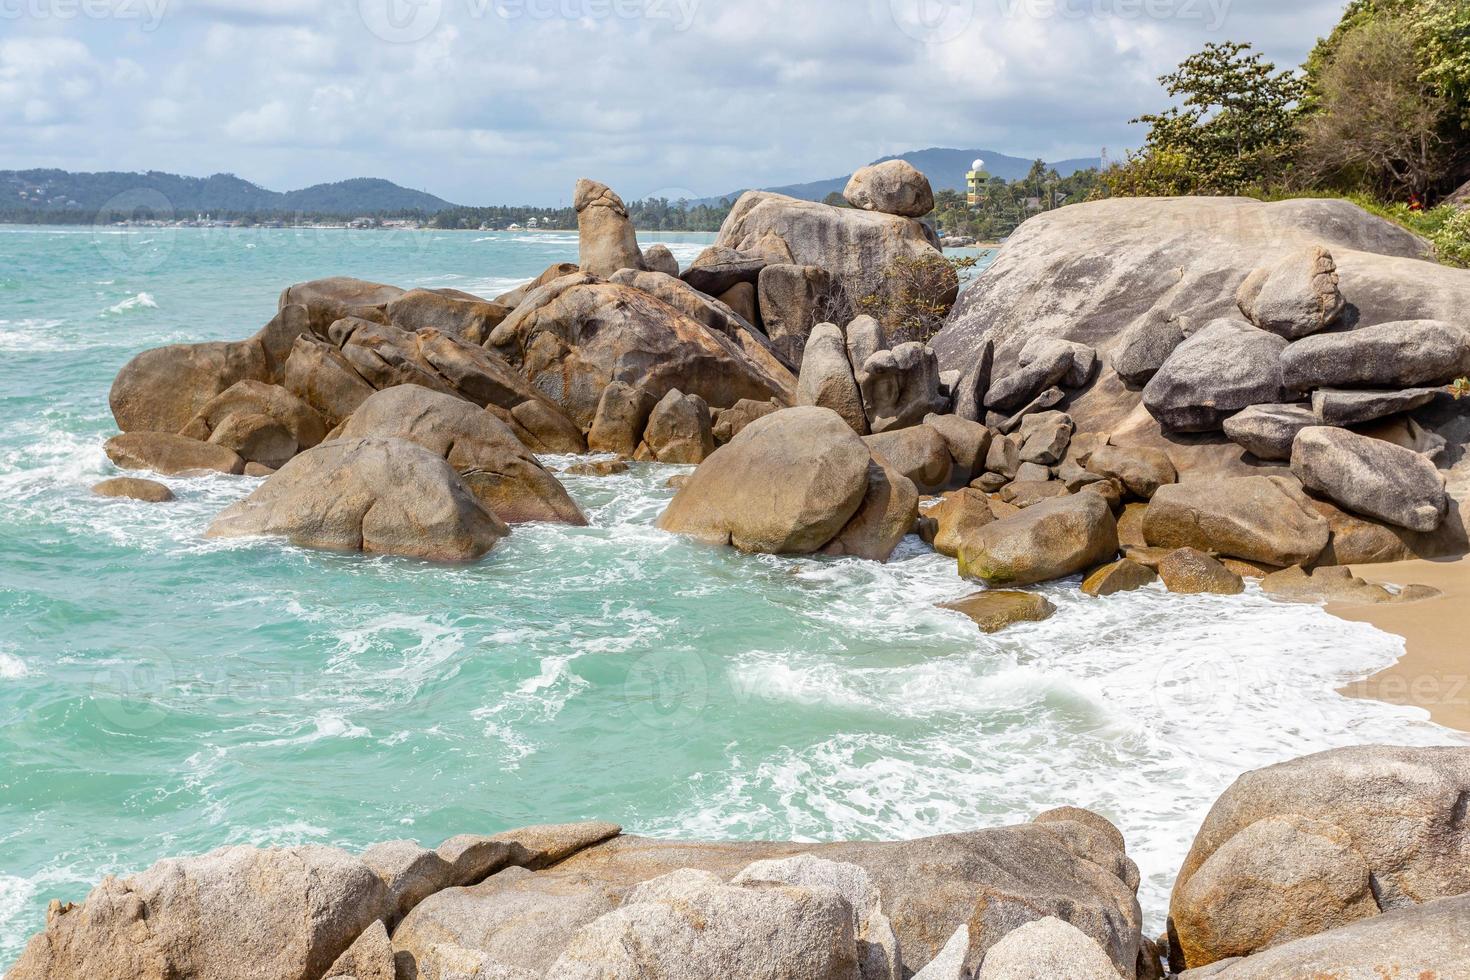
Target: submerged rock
132	488
995	609
171	455
1124	575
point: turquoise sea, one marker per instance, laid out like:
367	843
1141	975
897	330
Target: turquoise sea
163	695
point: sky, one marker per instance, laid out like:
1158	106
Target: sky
509	101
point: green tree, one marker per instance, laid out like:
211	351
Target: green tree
1236	127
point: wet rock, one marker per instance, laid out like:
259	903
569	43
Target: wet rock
892	187
1297	296
994	610
605	236
826	378
1391	355
1258	518
957	516
1226	366
1371	477
132	488
679	429
1267	431
603	467
1305	846
1049	540
1124	575
381	496
1334	584
171	455
1190	572
496	467
622	415
787	484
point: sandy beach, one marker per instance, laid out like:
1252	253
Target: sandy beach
1434	673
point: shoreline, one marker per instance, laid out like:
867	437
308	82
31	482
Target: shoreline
1434	672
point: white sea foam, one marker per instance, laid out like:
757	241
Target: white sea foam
144	301
12	668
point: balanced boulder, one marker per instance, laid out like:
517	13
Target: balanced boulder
1371	477
605	236
380	496
720	268
1297	296
1258	518
892	187
497	468
1049	540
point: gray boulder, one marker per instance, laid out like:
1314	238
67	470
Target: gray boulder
892	187
237	913
787	484
1047	949
1256	518
919	453
1045	437
1267	431
793	299
328	300
370	957
974	384
1297	296
498	469
900	387
621	416
1226	366
606	241
1298	848
864	339
1048	540
1145	345
1391	355
1371	477
826	378
1048	363
381	496
1337	407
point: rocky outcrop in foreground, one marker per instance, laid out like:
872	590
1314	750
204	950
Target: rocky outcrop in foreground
1347	863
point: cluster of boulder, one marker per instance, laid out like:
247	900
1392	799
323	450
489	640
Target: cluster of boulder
1349	863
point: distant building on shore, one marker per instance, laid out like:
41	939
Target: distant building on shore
975	182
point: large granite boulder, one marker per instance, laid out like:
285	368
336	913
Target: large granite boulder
498	469
968	443
891	187
900	387
1091	272
1141	471
1313	844
237	913
679	429
380	496
859	248
826	378
171	455
456	313
318	374
576	335
621	417
1047	949
720	268
1297	296
1425	942
1372	477
787	484
1144	345
161	390
993	880
886	516
1048	540
1226	366
1256	518
1392	355
238	415
919	453
793	299
658	258
713	313
606	241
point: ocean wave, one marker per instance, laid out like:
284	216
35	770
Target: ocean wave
12	668
140	301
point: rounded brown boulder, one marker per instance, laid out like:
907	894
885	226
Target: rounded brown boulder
1049	540
171	455
381	496
132	488
787	484
1190	572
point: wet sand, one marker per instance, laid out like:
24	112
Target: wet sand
1434	673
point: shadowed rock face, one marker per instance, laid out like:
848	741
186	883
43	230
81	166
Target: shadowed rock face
1090	272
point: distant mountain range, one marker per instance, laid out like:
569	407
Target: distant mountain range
945	168
60	190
